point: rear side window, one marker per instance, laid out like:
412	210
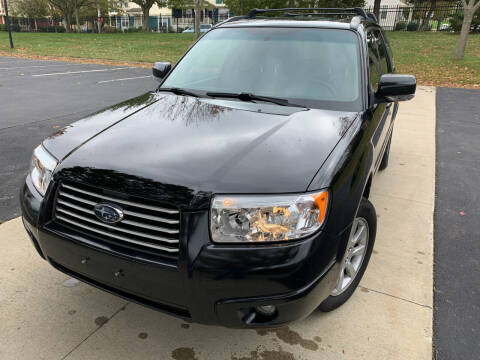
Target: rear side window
374	63
382	52
389	52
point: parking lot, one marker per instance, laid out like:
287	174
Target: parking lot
39	96
47	315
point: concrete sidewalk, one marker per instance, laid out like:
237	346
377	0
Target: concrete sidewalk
47	315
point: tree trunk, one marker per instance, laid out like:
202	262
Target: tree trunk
67	23
376	9
98	19
291	3
198	9
426	20
36	26
146	18
77	20
462	41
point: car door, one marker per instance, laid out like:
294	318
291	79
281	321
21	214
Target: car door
380	114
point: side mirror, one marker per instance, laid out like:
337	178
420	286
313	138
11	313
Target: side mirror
160	69
393	87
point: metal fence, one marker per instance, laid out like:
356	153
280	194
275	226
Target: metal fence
395	18
117	23
160	23
417	18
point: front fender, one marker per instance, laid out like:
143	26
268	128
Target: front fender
346	172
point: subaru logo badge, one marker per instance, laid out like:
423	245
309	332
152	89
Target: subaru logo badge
108	213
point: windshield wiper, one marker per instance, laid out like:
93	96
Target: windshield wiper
178	91
252	97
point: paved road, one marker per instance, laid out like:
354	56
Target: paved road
457	232
38	96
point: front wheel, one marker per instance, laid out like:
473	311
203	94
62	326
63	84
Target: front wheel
355	259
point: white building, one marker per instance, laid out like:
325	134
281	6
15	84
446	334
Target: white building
131	16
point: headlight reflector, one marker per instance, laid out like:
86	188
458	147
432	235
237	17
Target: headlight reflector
266	218
41	169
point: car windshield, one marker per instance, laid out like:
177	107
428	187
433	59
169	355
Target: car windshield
316	68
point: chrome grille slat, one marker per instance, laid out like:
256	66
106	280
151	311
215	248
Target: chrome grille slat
127	212
128	222
145	227
121	201
99	223
62	193
153	246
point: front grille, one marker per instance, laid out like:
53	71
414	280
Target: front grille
146	225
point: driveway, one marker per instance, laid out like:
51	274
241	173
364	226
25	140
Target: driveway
47	315
457	235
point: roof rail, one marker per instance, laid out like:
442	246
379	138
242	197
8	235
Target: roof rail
372	16
319	11
233	18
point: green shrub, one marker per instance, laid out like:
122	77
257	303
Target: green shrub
400	26
109	29
43	29
456	22
134	30
15	27
426	27
60	29
3	27
412	26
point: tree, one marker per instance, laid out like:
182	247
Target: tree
240	7
31	9
77	5
184	4
376	8
198	9
146	5
66	8
469	8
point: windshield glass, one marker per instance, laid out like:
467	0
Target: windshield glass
312	67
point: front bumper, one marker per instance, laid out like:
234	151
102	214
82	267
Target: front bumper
209	284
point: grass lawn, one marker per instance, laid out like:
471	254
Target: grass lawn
430	57
427	55
129	47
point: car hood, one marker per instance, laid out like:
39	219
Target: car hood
162	143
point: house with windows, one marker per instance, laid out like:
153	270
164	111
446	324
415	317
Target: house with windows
2	12
164	17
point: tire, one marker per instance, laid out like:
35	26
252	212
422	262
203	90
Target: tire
366	218
384	163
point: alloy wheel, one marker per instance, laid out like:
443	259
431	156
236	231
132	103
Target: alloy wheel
354	255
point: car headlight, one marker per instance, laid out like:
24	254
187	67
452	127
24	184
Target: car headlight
249	218
41	169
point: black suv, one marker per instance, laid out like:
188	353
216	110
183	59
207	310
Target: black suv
237	192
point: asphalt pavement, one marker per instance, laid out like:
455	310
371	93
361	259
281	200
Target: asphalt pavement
457	232
39	96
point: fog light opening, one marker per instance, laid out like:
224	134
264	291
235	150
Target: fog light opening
266	310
